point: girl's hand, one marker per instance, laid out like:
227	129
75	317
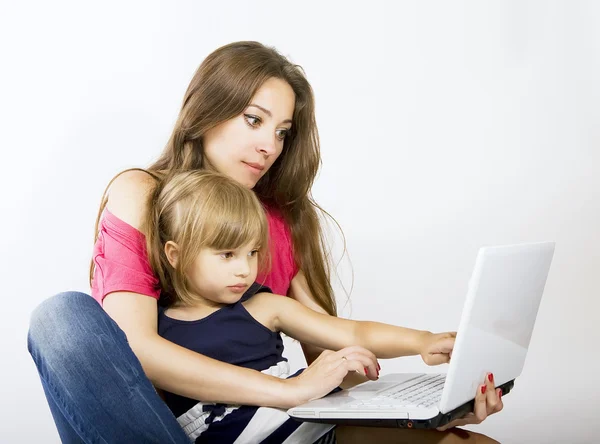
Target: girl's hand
437	348
328	371
488	401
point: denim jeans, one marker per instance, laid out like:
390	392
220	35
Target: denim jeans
94	384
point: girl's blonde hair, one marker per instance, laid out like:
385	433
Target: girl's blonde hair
221	89
197	210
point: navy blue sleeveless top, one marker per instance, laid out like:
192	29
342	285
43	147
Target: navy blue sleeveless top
230	334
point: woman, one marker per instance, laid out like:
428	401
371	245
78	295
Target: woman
249	114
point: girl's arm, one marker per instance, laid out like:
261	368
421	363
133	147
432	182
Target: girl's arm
384	340
300	291
184	372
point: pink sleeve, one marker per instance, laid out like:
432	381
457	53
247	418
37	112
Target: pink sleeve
120	260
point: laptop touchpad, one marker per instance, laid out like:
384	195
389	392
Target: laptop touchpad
368	389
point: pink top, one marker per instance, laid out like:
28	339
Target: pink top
121	263
283	264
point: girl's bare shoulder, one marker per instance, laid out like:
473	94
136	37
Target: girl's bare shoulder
264	307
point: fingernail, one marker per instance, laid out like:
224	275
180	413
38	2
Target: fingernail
483	389
500	393
491	377
365	371
378	366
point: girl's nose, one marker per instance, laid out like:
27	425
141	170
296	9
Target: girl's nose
243	268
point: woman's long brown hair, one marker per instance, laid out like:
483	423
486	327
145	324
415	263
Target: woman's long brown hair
221	89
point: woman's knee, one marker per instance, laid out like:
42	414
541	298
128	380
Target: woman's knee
351	435
58	317
459	435
478	438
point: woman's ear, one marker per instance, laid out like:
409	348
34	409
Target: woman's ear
172	253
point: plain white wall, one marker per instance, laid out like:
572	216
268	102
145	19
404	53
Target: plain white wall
445	126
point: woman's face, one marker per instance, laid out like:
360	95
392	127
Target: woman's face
245	147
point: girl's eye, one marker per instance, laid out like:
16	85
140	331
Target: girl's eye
227	255
252	121
282	134
253	253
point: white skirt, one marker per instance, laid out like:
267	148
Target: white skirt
209	422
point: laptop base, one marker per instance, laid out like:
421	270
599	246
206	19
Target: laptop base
431	423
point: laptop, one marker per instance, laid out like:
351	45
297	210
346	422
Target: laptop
497	321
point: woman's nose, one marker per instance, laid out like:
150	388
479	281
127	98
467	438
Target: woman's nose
267	145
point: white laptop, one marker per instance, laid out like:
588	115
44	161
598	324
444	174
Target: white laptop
497	321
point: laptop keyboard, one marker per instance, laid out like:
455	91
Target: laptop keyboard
424	391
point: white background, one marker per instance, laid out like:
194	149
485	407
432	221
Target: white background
444	126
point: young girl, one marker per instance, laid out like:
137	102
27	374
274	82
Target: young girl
249	114
207	237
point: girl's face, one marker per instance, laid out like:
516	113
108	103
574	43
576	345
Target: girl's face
222	277
245	147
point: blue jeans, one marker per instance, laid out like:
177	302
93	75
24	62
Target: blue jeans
94	384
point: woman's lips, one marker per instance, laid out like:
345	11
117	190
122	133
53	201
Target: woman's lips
255	168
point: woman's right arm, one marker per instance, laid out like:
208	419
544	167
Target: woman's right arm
182	371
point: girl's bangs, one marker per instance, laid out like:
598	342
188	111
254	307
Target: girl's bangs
235	226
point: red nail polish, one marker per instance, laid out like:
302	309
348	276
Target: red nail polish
500	393
483	389
378	366
365	371
491	377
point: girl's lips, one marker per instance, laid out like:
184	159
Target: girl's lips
238	288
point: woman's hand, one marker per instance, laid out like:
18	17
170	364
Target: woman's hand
437	348
328	371
487	402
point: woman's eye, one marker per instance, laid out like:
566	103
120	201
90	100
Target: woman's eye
282	134
251	120
253	253
227	255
